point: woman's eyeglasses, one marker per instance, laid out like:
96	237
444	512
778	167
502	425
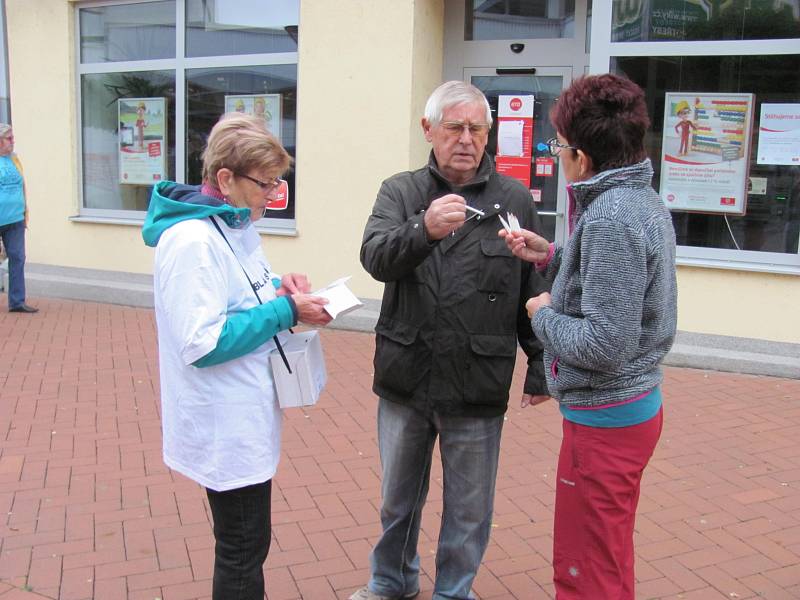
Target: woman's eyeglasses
266	186
553	146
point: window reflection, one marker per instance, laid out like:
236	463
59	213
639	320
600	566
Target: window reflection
772	219
229	27
687	20
519	19
100	135
128	32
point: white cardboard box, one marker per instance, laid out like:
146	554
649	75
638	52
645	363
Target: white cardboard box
304	384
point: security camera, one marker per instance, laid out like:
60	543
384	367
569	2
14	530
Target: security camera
516	47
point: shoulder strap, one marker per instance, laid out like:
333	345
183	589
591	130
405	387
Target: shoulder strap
252	287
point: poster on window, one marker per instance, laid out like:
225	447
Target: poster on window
266	106
515	137
779	135
705	152
142	140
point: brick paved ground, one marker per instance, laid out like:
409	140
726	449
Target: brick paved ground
89	510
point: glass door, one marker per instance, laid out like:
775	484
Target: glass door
545	84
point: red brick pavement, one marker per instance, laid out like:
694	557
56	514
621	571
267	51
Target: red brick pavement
90	511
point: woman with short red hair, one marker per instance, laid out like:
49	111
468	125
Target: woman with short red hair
606	325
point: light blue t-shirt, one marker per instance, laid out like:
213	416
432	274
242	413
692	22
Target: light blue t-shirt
12	196
624	414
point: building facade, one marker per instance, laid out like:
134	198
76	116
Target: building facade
109	96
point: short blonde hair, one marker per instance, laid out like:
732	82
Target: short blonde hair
4	129
240	143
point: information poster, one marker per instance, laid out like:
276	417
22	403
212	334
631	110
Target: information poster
266	106
779	135
515	137
705	152
142	140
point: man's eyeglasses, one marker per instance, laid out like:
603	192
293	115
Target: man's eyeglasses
553	146
456	127
266	186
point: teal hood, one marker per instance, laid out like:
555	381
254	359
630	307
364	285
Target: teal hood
172	203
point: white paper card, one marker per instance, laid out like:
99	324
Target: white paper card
509	136
512	224
340	299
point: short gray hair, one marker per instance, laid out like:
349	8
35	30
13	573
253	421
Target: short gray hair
453	93
4	129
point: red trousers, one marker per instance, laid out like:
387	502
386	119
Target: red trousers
597	491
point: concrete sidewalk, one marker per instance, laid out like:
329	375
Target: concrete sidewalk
90	511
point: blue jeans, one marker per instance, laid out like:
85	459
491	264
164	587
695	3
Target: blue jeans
470	448
13	236
242	530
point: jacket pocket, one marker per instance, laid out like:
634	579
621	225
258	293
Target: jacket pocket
400	362
496	264
567	377
488	368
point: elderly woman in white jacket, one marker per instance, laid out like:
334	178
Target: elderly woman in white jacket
219	308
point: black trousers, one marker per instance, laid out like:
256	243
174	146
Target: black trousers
242	530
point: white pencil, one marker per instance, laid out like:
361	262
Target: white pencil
475	210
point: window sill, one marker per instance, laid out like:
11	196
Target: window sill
732	265
138	222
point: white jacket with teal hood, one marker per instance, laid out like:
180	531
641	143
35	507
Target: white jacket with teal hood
220	418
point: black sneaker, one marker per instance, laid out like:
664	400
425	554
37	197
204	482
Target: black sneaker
23	308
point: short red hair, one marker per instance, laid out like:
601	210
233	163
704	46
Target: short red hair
606	117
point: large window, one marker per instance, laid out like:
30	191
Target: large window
722	82
771	221
154	77
206	93
706	20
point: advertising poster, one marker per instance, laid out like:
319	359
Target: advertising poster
515	137
705	152
779	135
142	140
267	106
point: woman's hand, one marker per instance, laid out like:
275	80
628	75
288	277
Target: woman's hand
527	245
311	309
533	399
293	283
537	302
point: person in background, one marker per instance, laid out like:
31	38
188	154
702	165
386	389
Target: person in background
606	327
13	220
218	307
453	311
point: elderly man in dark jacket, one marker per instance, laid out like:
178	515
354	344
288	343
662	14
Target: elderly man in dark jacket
453	311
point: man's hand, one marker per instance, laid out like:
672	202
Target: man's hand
293	283
444	216
527	245
537	302
310	309
533	399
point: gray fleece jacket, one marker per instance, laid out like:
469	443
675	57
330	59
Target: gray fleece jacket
614	295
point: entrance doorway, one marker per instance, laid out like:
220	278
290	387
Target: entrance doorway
545	85
522	48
